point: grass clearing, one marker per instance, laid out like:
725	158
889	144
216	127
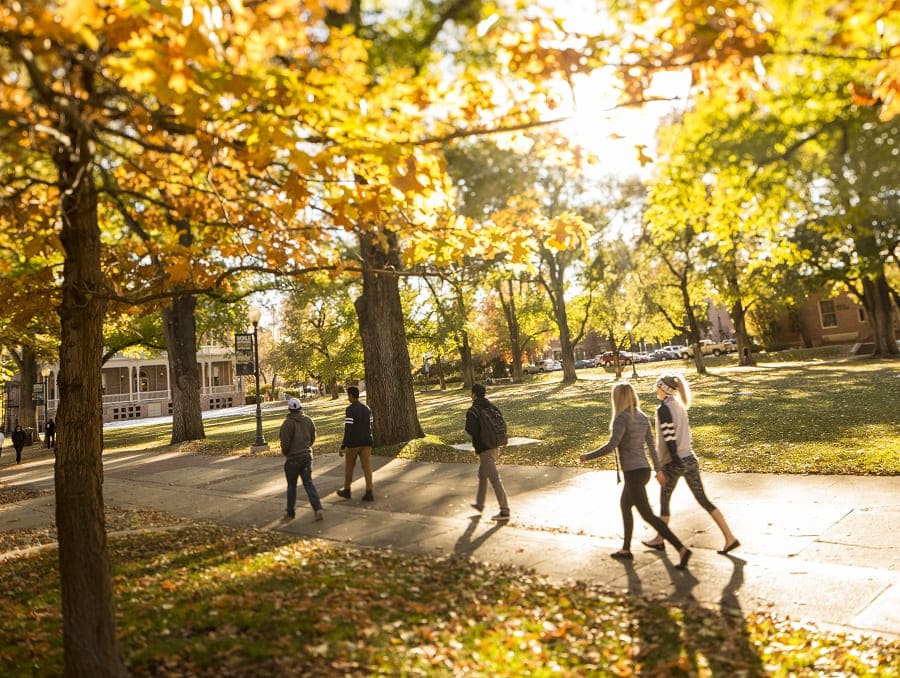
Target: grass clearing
795	412
202	600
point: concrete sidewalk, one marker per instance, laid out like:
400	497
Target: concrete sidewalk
817	548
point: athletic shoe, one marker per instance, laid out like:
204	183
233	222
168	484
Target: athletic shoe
368	496
320	515
343	493
501	517
477	507
288	515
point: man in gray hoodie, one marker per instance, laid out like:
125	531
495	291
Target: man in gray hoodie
297	434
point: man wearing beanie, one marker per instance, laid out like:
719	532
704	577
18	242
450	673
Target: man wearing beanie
297	434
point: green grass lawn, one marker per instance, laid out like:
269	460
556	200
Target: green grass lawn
202	600
792	413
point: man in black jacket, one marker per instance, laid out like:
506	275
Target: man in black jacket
357	442
487	457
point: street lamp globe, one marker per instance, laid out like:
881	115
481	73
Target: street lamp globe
253	315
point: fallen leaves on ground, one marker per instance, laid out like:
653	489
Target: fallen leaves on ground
203	600
118	519
12	494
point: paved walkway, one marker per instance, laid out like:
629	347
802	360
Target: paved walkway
818	548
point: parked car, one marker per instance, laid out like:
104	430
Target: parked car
679	350
641	357
584	363
548	365
730	345
662	354
608	359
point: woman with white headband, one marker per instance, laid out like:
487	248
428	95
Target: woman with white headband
630	433
673	432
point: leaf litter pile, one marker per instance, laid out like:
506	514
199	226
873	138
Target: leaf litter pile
202	600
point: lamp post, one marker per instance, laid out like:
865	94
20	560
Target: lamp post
628	327
45	373
260	445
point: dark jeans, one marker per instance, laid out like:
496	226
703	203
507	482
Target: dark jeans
300	467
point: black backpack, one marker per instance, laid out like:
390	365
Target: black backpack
492	426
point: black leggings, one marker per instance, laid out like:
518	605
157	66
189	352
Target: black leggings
634	494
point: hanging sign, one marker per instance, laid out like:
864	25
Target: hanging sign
243	354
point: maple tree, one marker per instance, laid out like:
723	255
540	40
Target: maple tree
156	152
114	150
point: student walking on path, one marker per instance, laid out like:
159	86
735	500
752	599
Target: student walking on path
357	443
18	441
297	434
50	434
488	450
629	432
673	432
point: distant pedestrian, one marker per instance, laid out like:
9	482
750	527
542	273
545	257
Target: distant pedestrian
18	440
50	434
297	434
630	431
487	450
673	432
2	440
357	443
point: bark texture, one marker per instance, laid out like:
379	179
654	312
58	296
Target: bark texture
389	382
89	630
180	326
877	301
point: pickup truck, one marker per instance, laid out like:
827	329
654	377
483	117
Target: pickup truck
708	347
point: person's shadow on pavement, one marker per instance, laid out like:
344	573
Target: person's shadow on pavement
635	587
729	600
465	545
684	581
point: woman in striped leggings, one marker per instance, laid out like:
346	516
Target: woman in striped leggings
673	431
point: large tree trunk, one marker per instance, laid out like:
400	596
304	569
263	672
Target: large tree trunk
876	299
440	368
89	627
465	357
512	324
180	326
556	292
744	345
29	374
693	326
389	382
739	318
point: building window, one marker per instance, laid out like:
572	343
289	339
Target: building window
861	314
828	313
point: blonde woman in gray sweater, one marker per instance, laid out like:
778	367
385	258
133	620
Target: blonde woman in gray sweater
629	432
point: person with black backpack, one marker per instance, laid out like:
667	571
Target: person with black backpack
485	423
